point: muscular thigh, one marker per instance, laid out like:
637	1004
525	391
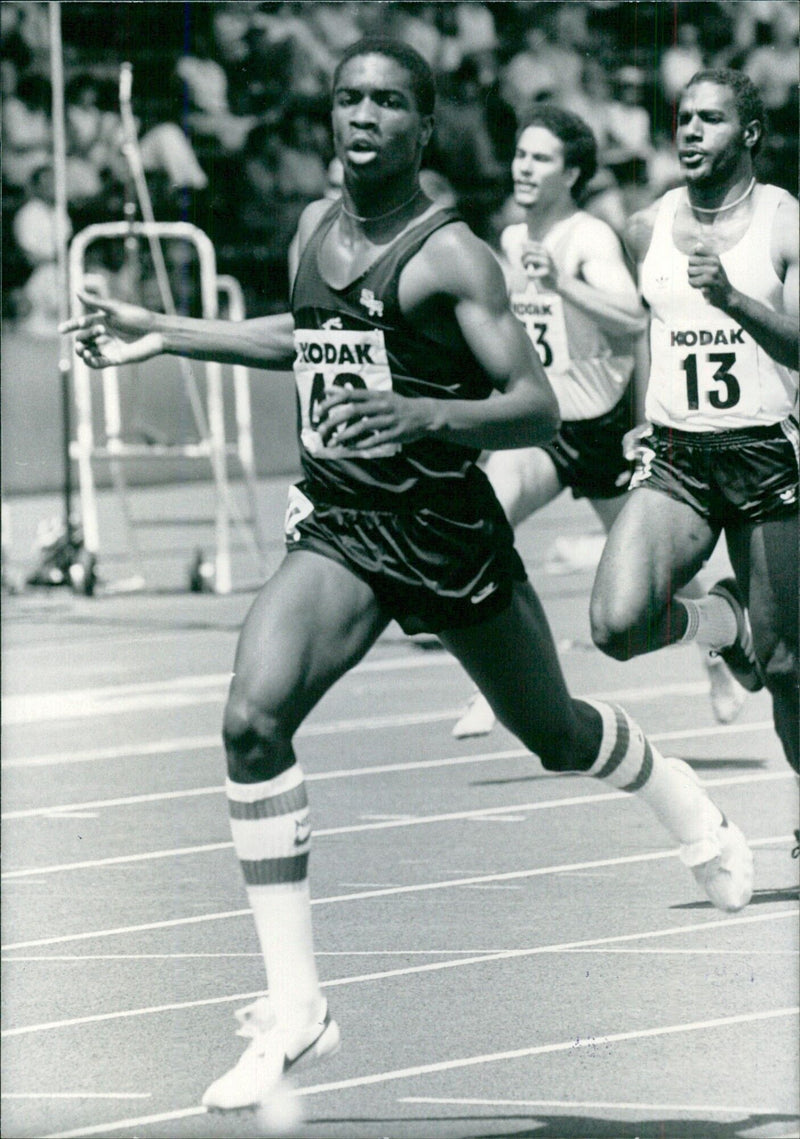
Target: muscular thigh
656	545
513	660
764	558
524	481
310	623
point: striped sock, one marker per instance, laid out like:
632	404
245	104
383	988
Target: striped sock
710	621
272	837
627	760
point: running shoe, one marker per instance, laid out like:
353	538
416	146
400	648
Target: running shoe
269	1058
740	657
722	862
726	694
478	719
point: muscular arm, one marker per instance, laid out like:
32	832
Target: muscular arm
457	273
113	332
606	292
524	410
777	332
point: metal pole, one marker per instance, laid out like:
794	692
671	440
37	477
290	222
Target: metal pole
62	239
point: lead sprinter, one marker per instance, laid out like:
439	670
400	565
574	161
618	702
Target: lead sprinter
408	363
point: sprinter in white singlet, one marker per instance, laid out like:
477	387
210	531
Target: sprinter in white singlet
572	291
719	271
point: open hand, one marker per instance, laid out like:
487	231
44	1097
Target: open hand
113	332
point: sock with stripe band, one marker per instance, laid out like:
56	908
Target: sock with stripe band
710	621
272	838
627	760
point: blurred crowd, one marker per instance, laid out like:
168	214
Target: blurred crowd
231	107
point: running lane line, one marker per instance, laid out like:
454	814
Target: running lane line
410	970
337	727
455	1065
62	809
477	813
364	895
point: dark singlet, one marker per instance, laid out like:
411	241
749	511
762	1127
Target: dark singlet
357	337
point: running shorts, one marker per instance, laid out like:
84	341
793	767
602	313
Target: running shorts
430	568
727	477
588	454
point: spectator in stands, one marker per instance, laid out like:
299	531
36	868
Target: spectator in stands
27	128
208	114
680	61
774	67
463	146
36	232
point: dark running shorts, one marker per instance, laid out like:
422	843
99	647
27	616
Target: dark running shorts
727	477
430	569
588	454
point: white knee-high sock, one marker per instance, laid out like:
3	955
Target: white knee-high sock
627	760
711	621
272	836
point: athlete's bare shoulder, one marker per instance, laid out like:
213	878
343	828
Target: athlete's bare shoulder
785	237
459	263
310	219
638	231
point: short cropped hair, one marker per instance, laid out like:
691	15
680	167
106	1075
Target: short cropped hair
422	81
577	138
746	97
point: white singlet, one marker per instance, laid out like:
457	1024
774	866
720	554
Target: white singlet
586	375
706	372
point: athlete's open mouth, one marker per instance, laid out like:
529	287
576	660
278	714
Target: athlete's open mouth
692	157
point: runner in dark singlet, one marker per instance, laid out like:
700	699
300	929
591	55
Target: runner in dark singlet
403	312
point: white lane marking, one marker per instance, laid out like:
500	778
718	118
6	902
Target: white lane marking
358	772
704	951
200	743
464	1062
76	1095
596	1105
476	814
434	967
179	692
366	895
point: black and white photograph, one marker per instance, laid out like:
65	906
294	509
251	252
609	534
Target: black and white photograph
399	628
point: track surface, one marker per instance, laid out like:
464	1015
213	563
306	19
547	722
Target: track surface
508	953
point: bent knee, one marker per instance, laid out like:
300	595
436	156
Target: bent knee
257	746
612	630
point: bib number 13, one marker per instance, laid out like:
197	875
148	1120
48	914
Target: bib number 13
728	393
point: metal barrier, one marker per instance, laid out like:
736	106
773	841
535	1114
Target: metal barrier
212	446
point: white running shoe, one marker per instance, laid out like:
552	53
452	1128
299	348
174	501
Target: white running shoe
478	719
722	862
727	876
263	1066
726	695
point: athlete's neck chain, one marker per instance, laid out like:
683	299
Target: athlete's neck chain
380	217
729	206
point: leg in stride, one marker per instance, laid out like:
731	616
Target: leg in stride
656	546
309	624
513	660
764	558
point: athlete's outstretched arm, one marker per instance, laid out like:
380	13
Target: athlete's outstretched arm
115	332
458	272
776	332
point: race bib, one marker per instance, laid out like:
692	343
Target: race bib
707	369
338	358
542	315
